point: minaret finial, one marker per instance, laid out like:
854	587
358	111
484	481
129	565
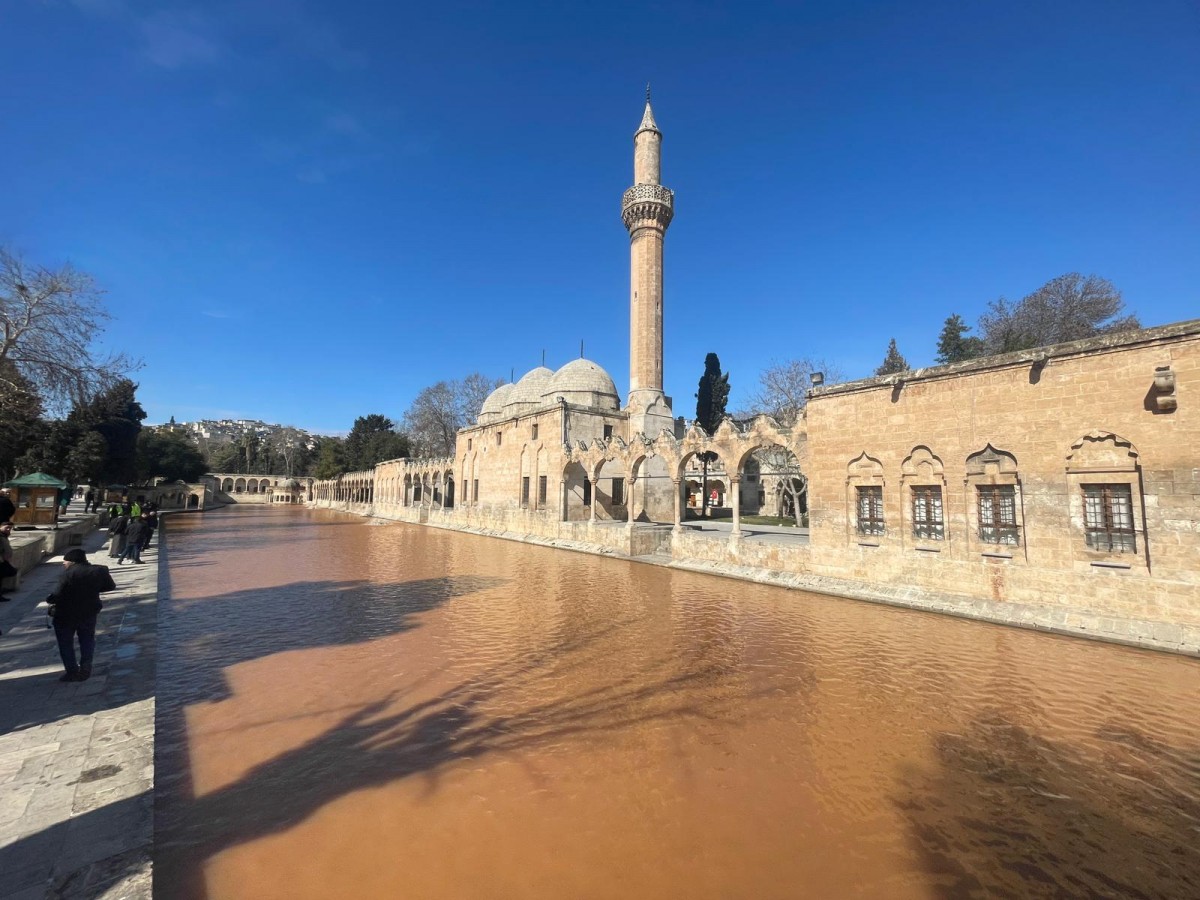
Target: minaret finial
647	92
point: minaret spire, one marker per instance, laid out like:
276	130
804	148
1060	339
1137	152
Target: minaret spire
647	209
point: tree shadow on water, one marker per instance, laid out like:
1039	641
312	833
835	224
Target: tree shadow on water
1010	813
200	639
532	699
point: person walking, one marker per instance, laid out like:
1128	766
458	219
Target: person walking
134	532
151	522
116	529
89	501
74	606
7	569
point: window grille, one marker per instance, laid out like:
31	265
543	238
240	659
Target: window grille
927	513
475	491
587	493
1108	517
607	432
870	510
998	514
618	492
541	490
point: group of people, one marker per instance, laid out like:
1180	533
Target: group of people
75	602
130	526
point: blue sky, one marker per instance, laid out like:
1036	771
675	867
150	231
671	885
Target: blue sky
305	211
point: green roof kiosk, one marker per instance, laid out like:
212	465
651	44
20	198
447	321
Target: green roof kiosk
36	498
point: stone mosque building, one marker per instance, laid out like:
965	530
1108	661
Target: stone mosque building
1056	488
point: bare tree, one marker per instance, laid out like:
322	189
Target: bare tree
50	319
1068	308
471	392
783	482
287	441
440	410
783	388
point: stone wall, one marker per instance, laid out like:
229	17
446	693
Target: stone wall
1046	423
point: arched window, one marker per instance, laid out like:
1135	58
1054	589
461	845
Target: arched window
996	522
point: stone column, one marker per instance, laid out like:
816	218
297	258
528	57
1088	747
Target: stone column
629	504
562	500
678	503
735	488
594	482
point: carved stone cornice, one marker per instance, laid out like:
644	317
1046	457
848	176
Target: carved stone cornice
647	204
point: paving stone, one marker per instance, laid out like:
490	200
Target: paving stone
93	834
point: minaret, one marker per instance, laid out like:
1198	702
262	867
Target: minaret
646	209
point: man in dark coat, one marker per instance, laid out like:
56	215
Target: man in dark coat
134	533
7	509
150	520
74	605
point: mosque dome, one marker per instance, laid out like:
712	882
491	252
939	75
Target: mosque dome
527	393
583	383
493	406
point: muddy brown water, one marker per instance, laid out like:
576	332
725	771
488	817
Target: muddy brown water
357	710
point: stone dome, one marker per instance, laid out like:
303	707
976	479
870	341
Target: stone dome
493	406
583	383
528	390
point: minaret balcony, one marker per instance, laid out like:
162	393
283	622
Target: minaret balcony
647	203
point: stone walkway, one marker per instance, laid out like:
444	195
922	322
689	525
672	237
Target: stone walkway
77	760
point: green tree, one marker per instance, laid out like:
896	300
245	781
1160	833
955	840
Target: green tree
329	460
711	397
116	416
371	440
250	452
224	457
21	423
86	460
954	345
893	363
169	455
49	453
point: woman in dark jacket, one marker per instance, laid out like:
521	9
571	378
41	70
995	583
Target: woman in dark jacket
74	605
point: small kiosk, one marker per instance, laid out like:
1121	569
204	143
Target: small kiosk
36	498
